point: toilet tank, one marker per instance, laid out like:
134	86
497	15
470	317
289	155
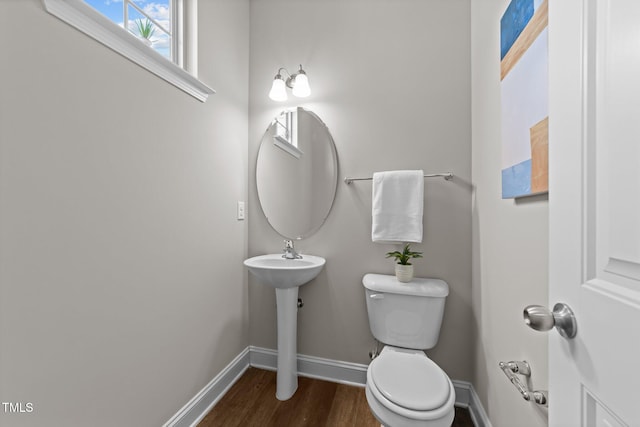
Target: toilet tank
407	315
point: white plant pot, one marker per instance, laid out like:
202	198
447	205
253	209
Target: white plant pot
404	273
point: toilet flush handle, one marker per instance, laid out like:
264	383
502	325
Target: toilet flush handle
376	296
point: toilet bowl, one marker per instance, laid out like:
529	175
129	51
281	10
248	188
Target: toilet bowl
406	389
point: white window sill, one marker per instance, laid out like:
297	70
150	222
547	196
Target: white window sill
285	145
91	22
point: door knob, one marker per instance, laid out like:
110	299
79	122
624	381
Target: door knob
541	319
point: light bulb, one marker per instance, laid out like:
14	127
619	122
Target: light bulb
278	89
301	87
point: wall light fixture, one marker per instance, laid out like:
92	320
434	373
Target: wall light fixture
297	82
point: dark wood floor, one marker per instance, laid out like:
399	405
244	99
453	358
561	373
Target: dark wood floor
252	402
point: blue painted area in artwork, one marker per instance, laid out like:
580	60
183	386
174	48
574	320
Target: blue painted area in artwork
515	18
516	180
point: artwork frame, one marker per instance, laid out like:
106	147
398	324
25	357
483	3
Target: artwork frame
524	86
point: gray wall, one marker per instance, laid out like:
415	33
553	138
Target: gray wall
122	293
510	245
392	82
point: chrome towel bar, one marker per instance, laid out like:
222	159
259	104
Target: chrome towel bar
447	176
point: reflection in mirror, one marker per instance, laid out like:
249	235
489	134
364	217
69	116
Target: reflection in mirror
286	133
296	173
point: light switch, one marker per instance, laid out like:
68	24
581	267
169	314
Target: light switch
241	213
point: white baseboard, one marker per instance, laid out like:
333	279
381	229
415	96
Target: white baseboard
354	374
196	409
313	367
466	397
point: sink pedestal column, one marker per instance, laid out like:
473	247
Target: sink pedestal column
287	376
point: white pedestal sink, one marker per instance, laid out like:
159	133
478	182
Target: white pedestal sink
286	276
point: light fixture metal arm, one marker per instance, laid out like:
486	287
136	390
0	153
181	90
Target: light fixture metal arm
280	70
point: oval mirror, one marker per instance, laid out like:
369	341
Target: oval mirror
296	173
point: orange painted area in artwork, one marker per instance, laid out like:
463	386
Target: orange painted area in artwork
539	135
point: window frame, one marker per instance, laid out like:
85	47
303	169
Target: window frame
173	32
85	18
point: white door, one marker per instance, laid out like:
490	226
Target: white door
594	205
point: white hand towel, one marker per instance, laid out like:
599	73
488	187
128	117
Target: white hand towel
397	206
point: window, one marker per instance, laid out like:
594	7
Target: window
155	34
153	22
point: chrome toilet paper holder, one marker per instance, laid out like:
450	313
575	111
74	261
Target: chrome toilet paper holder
514	368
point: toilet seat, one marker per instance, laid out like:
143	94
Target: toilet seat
410	379
409	384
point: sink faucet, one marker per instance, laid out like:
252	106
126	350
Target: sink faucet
289	251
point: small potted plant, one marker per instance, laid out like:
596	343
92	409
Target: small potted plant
404	269
146	30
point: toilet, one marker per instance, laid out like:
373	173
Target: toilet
404	387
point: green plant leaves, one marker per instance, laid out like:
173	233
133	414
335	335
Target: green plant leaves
405	256
145	28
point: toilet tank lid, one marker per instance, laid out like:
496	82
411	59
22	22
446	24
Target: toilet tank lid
418	286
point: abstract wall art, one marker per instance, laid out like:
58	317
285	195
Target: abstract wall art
524	77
